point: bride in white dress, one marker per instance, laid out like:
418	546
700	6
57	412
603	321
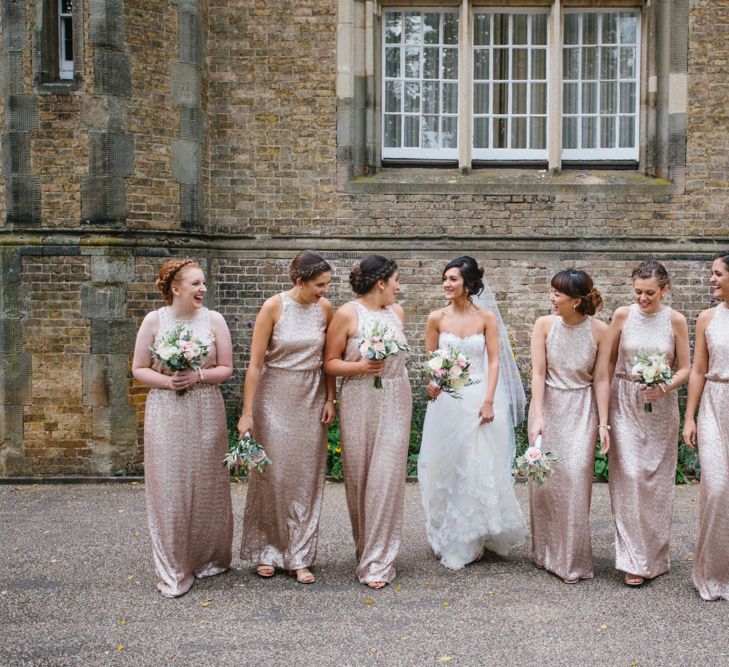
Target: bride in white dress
464	466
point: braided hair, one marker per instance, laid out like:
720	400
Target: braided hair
651	269
169	274
369	271
307	265
577	284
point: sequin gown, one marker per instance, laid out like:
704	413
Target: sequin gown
464	469
187	489
711	562
283	505
643	451
560	509
375	428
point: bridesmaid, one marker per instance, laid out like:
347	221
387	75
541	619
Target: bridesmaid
570	389
375	423
644	444
709	381
287	404
185	437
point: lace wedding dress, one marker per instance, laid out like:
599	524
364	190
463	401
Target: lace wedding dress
464	469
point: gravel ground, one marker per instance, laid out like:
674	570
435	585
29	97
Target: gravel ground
77	587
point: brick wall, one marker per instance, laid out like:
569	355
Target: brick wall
115	188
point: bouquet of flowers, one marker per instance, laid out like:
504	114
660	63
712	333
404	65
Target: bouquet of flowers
651	369
246	455
180	350
535	464
449	369
378	343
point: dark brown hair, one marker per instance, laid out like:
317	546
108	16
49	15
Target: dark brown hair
577	284
470	271
169	273
724	257
307	265
365	275
651	269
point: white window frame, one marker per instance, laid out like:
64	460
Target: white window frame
553	153
616	153
65	66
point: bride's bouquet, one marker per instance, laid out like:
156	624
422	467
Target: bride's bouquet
448	368
379	342
180	350
246	455
651	369
535	464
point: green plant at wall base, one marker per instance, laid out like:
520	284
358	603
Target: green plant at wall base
334	451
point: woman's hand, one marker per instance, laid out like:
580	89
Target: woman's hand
328	413
604	440
183	380
369	367
486	413
433	390
245	425
536	427
653	393
689	432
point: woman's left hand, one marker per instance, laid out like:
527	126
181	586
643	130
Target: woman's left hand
184	379
486	413
653	393
328	413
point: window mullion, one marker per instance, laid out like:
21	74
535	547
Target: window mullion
554	89
465	85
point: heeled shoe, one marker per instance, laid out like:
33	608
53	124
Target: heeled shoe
377	585
303	575
633	579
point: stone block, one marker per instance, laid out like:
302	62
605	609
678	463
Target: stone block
186	164
112	335
11	336
15	379
22	113
14	26
95	379
106	23
105	302
112	72
112	269
103	199
23	199
185	85
11	73
111	154
190	38
16	153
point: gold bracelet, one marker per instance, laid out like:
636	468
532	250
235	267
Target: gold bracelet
662	388
200	373
333	401
607	426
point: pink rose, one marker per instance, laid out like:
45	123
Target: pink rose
439	373
532	456
257	458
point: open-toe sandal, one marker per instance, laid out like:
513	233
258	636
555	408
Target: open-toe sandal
265	571
633	579
303	575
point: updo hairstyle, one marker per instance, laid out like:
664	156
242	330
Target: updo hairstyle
306	266
577	284
724	257
471	273
169	274
651	269
369	271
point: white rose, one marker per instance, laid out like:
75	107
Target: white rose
435	363
649	375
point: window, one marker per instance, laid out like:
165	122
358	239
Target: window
495	91
65	39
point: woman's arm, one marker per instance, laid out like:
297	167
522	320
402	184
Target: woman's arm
697	377
142	361
616	330
344	326
330	410
683	351
262	330
223	352
491	333
432	335
539	376
601	379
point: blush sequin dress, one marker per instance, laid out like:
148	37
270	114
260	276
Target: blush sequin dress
187	489
643	451
711	562
283	505
375	428
560	509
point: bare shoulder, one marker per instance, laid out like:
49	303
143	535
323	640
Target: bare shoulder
151	319
216	317
397	308
435	317
705	316
326	306
678	319
544	323
621	314
599	327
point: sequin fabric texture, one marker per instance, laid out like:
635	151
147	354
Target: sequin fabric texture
375	428
560	509
643	451
711	562
283	505
187	489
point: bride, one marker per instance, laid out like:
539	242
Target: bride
464	467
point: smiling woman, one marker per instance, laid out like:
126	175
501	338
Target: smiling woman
185	437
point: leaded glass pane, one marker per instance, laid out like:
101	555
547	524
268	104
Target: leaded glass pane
392	136
412	63
430	62
500	132
412	96
450	28
519	132
393	27
539	64
392	62
589	28
571	29
519	98
501	64
481	64
450	64
571	98
450	98
520	64
501	28
412	131
571	64
607	132
589	98
627	63
608	97
538	132
481	98
589	62
626	138
449	133
393	96
539	29
627	97
519	30
429	132
609	62
569	132
501	98
431	90
628	28
413	24
589	131
431	28
539	98
480	132
481	29
610	28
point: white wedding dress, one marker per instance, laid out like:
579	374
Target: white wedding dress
464	469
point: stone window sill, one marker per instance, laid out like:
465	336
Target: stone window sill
509	182
65	87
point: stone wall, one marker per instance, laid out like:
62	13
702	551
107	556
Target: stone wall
208	128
